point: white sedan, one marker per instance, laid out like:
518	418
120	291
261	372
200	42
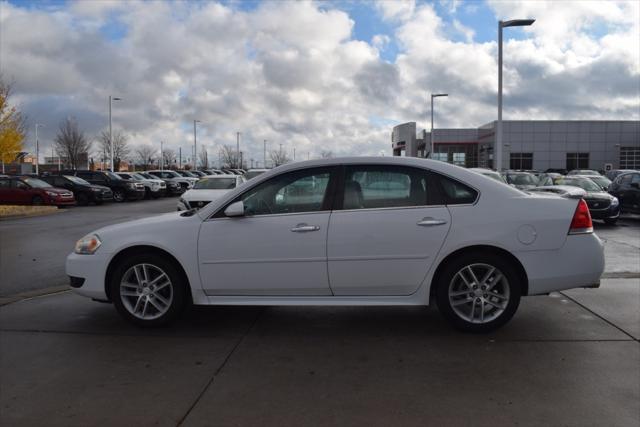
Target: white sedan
208	189
351	231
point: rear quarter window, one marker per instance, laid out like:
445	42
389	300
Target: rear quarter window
455	192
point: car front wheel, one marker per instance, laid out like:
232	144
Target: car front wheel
478	293
119	196
148	290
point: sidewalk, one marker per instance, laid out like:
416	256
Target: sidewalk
567	359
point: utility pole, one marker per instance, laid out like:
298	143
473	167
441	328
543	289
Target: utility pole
180	157
265	154
195	146
161	156
111	99
37	149
294	154
238	149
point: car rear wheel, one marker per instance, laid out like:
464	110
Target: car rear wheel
478	292
37	200
119	196
148	290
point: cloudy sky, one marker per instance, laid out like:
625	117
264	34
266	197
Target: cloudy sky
324	75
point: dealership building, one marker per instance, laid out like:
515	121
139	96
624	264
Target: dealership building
529	144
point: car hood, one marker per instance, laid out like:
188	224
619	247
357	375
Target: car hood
143	225
99	187
58	190
204	195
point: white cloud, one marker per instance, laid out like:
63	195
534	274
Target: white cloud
396	10
293	73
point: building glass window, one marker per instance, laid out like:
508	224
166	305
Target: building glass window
629	157
577	161
440	156
522	161
458	159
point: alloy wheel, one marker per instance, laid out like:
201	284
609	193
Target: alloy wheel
479	293
146	291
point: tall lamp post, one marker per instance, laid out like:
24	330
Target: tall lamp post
111	99
37	148
265	154
195	146
501	25
433	95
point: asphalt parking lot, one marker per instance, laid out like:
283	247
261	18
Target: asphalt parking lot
571	358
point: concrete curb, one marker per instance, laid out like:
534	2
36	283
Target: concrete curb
33	214
33	294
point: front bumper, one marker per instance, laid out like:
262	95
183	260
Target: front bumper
135	194
89	272
611	212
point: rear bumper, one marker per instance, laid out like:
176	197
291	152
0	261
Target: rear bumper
578	263
609	213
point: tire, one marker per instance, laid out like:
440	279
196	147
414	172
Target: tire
478	310
37	201
82	199
119	196
611	221
144	305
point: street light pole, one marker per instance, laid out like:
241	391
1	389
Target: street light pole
498	146
37	148
265	154
161	156
111	99
195	146
433	95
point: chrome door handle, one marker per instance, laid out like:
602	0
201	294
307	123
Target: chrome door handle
428	221
303	228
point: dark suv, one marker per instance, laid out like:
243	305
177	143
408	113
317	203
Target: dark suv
122	190
83	191
626	188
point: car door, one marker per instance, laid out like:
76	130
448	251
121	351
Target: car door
279	246
385	232
21	193
6	193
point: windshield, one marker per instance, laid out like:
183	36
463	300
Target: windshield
138	177
113	175
146	175
187	173
522	179
495	176
601	181
253	174
215	184
585	184
76	180
36	183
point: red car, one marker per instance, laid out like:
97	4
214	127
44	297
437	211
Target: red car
33	191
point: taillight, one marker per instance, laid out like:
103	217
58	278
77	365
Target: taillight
581	222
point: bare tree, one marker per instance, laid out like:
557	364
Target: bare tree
170	158
146	155
203	158
120	146
326	154
229	157
71	142
279	157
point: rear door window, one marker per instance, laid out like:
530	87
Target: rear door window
384	186
455	192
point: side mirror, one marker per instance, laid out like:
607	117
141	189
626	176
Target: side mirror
235	209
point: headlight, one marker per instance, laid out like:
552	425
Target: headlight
614	202
88	245
52	194
97	190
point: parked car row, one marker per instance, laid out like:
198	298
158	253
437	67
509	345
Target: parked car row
83	187
606	199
